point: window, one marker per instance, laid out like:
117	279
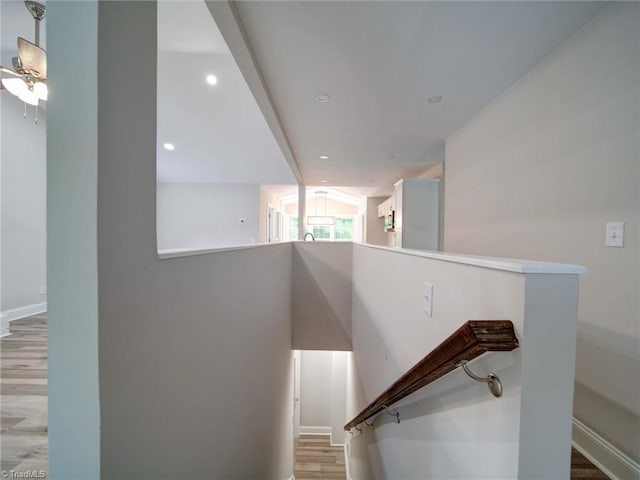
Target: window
344	228
293	228
330	228
321	232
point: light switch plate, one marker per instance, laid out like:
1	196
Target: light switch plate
615	234
428	299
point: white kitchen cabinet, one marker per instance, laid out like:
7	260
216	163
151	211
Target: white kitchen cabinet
416	203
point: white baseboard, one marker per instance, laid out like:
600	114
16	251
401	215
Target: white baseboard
347	457
22	312
308	430
311	430
615	464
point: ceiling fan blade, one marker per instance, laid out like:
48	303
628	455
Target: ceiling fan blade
33	58
4	69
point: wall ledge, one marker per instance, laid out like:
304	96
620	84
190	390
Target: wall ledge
505	264
189	252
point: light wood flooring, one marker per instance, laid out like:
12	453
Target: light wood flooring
23	396
316	458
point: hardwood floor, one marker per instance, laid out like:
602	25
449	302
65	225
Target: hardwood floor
583	469
316	458
23	396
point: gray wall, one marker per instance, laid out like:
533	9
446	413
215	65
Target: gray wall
23	216
72	155
184	356
539	172
321	295
205	215
374	226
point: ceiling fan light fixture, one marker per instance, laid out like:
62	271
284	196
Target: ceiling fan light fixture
41	90
15	86
29	97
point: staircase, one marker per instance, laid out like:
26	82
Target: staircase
316	458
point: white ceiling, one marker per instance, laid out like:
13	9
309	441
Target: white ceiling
380	62
219	133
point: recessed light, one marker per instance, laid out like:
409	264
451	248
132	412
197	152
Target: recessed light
323	181
169	146
212	79
435	99
322	98
324	157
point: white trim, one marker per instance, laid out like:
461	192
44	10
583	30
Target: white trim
187	252
22	312
507	264
347	464
310	430
615	464
5	334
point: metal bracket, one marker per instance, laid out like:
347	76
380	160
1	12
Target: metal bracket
492	380
393	414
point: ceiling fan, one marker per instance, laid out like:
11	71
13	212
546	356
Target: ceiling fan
29	73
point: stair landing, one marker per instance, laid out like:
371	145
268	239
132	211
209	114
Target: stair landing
316	458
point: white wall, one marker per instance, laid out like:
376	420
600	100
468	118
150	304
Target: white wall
324	206
323	392
539	172
339	361
23	198
200	215
315	388
454	428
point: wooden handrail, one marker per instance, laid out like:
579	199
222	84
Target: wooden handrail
471	340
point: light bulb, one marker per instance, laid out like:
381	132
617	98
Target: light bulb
41	90
20	89
16	86
29	96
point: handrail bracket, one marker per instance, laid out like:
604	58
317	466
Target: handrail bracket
492	380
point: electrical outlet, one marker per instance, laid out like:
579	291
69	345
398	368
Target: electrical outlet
43	290
427	302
